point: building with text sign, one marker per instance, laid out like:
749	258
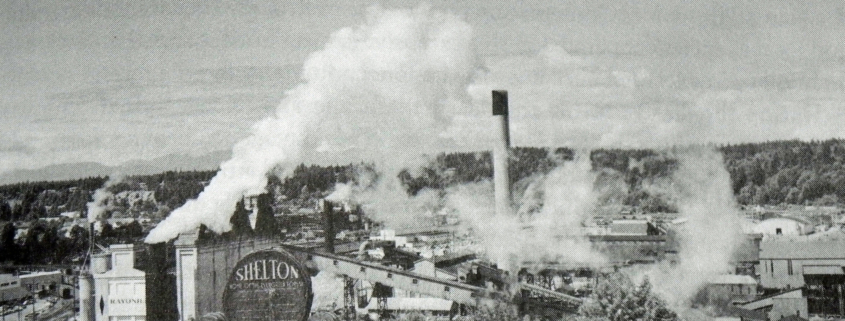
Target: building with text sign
119	288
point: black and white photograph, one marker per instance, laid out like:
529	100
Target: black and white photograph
395	160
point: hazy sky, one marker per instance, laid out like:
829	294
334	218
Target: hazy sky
111	81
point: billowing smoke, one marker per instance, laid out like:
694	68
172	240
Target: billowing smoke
328	292
710	229
386	201
342	192
98	206
548	230
376	92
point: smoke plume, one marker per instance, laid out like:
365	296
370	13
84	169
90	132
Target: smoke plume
98	206
376	92
561	200
328	292
710	230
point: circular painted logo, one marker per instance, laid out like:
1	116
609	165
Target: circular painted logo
268	285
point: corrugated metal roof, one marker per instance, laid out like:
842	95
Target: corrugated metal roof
820	249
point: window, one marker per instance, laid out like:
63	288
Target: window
778	231
389	275
789	267
772	267
446	288
415	281
363	269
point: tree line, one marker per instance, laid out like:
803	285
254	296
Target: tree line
780	172
47	243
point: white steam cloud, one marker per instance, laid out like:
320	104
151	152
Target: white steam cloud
711	233
563	199
328	292
376	92
98	206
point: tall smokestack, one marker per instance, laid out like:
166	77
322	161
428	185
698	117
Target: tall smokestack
328	225
501	153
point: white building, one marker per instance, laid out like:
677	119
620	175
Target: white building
10	288
119	289
783	226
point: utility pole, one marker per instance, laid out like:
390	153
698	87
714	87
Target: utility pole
841	301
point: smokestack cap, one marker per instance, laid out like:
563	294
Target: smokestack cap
500	103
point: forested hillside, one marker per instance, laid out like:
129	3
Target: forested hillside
783	172
791	172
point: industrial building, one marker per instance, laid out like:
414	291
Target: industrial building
15	287
783	225
633	227
780	305
738	288
44	283
814	266
789	264
119	288
10	288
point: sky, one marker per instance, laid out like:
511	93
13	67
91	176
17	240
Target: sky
116	81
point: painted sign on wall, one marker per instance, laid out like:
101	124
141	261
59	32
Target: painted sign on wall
268	285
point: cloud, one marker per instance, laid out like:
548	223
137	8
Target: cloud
128	78
111	121
613	100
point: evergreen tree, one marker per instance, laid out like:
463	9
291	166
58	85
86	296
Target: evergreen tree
265	221
8	248
616	298
240	220
107	230
5	210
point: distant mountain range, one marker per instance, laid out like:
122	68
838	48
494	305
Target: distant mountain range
134	167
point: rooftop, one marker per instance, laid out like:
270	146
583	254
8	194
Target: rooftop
810	249
732	279
4	278
36	274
